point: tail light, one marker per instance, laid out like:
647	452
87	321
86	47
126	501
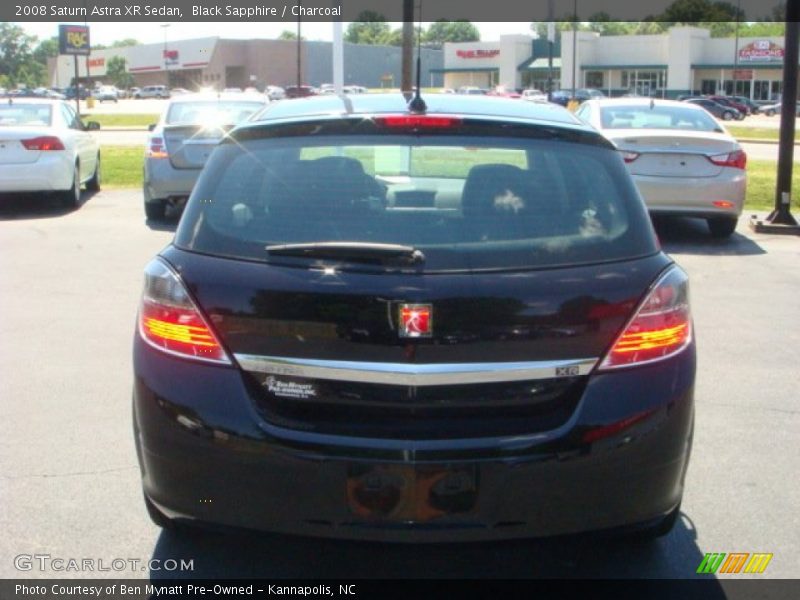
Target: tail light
660	328
736	159
156	148
43	143
170	321
419	121
629	157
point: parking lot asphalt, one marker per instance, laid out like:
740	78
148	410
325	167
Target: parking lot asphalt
69	483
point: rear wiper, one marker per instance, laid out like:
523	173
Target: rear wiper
356	251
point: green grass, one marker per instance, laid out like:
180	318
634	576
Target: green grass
121	120
122	166
761	180
753	133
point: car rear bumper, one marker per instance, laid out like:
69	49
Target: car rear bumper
162	180
48	174
207	455
694	196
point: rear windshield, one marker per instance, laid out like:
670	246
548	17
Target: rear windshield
467	203
657	117
211	112
17	114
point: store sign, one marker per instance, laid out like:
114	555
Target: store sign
743	74
97	62
73	39
477	53
170	57
761	51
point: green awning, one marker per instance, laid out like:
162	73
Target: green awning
539	64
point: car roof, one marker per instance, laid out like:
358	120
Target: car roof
29	100
331	105
212	96
642	101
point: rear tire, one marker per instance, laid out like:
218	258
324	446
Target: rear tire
659	529
93	185
727	115
71	198
157	517
155	211
770	113
722	227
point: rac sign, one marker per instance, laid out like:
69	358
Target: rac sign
73	39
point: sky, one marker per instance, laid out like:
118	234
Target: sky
107	33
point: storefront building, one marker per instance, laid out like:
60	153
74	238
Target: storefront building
684	60
223	63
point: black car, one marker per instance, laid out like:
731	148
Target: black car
448	324
726	113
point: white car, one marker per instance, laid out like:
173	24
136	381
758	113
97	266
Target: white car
534	95
45	147
683	160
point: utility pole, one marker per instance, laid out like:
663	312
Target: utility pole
299	59
780	220
406	77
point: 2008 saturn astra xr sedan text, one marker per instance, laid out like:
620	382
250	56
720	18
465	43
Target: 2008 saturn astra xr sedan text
451	323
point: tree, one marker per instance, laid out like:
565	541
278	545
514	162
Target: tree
699	11
369	28
125	42
46	49
452	31
17	62
289	35
117	72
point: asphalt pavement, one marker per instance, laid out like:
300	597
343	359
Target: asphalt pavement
69	482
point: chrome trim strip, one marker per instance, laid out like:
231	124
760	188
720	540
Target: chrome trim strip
416	374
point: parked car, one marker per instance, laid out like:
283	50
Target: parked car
133	91
303	91
504	92
188	131
83	93
726	113
106	93
534	95
152	91
561	97
584	94
275	92
327	88
492	345
472	90
728	101
355	89
752	106
46	148
682	160
774	109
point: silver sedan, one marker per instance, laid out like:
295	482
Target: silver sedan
683	160
179	144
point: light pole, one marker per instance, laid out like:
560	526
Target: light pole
165	26
574	46
736	51
299	63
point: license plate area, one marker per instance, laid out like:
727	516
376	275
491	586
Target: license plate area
405	493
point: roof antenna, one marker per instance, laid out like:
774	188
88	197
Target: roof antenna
417	104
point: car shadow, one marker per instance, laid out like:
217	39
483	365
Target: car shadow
237	555
37	206
169	222
680	235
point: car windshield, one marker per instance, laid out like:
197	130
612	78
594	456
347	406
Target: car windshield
211	112
466	204
657	117
17	114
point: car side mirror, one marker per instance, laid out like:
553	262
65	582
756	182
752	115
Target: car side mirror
151	127
92	126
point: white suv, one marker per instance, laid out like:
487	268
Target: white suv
152	91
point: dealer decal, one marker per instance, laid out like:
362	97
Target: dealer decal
289	389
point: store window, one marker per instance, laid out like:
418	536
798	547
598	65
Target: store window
594	79
761	90
708	86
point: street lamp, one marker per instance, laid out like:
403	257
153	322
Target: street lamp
574	46
165	26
